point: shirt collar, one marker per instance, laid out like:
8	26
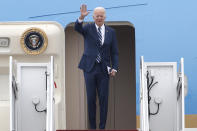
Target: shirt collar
102	27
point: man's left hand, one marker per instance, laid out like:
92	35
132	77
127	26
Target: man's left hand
113	72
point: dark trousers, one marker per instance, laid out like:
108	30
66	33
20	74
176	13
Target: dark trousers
97	80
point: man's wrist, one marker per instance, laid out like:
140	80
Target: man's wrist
80	20
81	17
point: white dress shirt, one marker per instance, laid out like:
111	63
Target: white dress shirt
102	32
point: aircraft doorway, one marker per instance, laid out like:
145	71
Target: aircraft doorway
122	97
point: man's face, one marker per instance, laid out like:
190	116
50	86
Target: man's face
99	17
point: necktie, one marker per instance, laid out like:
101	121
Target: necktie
98	58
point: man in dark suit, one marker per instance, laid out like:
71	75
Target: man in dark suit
99	61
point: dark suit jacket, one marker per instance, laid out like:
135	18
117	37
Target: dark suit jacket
108	51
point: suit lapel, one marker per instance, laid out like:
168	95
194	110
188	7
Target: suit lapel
95	34
106	34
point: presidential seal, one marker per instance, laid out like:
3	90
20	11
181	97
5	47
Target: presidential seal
34	41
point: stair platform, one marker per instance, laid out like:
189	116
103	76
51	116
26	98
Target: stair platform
96	130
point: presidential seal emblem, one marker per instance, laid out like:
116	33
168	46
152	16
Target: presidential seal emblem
34	41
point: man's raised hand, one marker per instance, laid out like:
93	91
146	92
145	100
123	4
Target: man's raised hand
84	12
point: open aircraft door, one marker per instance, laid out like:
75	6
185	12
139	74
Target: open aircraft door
162	95
31	96
122	90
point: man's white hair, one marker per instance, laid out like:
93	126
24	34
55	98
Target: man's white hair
99	8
